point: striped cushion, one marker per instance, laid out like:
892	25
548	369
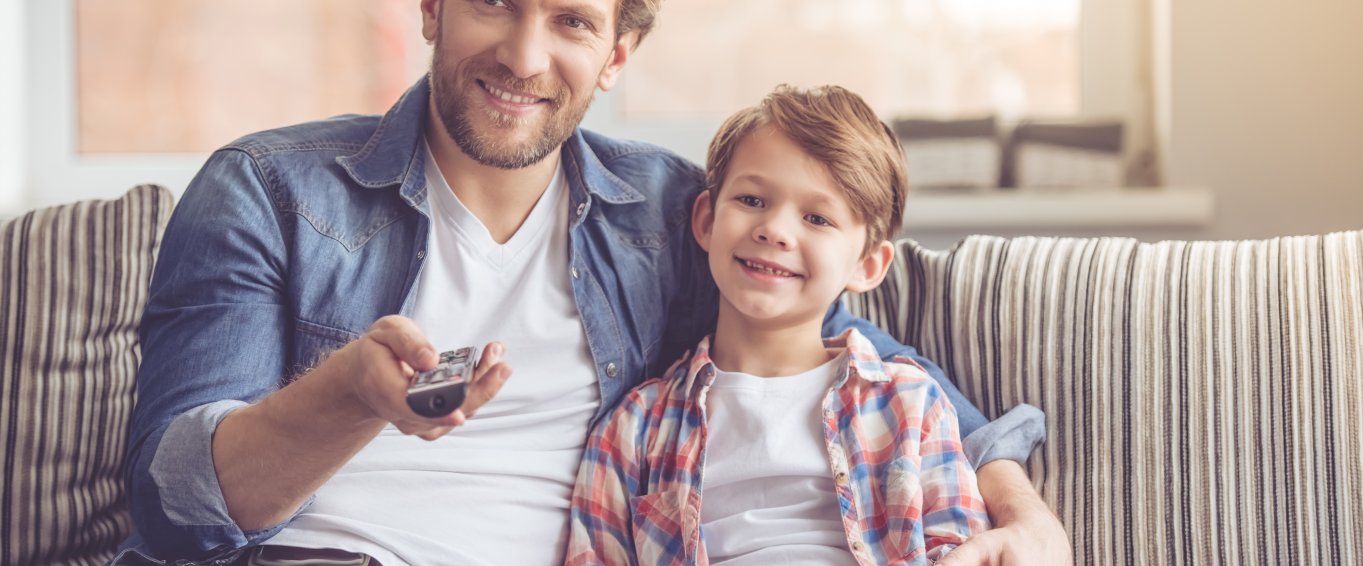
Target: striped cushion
74	281
1204	400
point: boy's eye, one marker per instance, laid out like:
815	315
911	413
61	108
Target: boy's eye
750	200
817	220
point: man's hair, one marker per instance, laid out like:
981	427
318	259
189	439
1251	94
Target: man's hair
637	15
838	129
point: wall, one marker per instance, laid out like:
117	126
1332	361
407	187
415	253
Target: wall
1260	101
12	158
1266	106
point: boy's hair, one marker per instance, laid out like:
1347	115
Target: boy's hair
637	15
837	128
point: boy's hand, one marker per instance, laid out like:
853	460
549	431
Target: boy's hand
1025	531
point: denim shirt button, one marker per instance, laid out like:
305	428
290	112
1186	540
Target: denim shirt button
612	370
421	254
574	272
581	207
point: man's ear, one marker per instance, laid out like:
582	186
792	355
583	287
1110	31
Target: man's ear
430	19
703	220
624	45
872	268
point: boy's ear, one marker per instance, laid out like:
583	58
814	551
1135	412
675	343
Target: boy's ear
702	220
872	269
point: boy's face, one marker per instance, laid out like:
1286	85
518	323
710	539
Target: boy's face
782	240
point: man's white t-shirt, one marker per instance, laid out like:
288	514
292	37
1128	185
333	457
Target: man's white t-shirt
497	490
768	495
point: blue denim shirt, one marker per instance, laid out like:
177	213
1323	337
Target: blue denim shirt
289	243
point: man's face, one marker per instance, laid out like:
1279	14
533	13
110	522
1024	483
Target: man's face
512	80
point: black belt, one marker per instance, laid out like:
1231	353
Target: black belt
276	555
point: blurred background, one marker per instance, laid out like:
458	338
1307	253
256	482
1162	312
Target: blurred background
1155	119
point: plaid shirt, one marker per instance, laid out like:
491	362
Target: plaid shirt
907	493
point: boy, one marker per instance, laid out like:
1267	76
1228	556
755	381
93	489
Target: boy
842	459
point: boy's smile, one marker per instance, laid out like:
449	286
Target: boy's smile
766	270
782	238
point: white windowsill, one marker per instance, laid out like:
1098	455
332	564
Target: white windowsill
1059	208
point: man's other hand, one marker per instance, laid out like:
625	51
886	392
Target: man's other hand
1025	530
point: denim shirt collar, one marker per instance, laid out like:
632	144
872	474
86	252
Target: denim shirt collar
393	156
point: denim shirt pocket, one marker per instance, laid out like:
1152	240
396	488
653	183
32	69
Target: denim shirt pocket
640	261
312	343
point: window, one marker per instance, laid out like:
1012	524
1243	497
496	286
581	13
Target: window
119	93
137	91
906	57
909	58
173	76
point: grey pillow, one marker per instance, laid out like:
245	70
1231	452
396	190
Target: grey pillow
73	283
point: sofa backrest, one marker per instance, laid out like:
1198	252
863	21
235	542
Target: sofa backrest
73	282
1203	400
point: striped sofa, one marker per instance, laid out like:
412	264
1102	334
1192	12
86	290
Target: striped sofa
1204	400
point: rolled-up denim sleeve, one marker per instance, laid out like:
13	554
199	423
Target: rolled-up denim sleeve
214	336
1012	436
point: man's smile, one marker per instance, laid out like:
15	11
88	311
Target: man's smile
508	96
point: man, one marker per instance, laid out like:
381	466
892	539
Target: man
474	211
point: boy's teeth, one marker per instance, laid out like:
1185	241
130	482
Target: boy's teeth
766	269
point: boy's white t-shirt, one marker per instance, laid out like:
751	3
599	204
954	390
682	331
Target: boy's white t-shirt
768	495
485	492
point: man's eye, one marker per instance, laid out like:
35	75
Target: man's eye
750	200
495	3
817	220
575	23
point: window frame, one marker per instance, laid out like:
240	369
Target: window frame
56	171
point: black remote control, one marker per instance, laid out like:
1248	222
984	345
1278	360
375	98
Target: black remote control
440	390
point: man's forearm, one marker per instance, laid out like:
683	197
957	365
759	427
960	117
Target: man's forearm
1025	530
271	456
1008	493
1037	535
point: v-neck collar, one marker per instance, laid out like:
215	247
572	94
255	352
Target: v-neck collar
446	207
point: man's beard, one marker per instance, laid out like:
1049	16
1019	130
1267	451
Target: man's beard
454	104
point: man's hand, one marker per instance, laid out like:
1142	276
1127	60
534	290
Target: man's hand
270	456
394	349
1025	531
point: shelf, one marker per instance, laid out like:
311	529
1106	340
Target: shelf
1058	208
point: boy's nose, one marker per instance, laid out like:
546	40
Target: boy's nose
525	51
771	232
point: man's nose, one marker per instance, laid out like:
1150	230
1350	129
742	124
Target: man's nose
526	50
